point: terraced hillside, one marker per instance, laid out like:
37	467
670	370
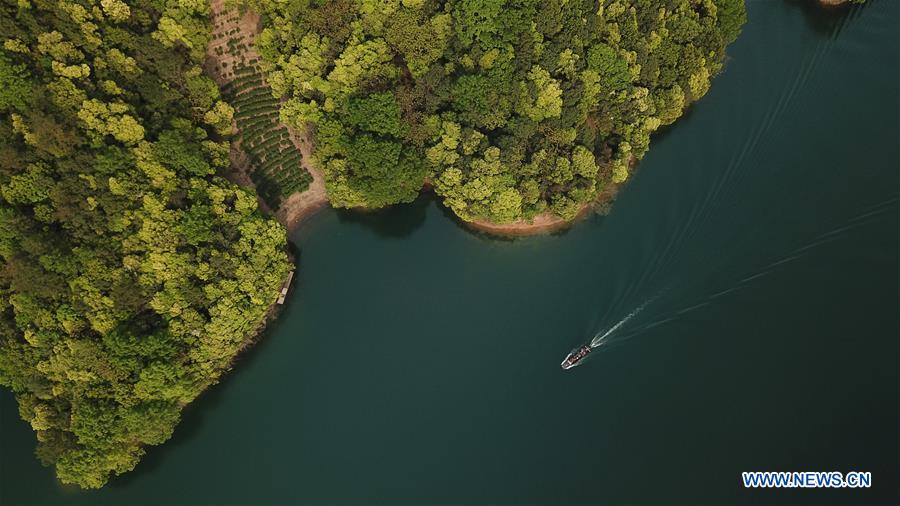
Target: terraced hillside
271	159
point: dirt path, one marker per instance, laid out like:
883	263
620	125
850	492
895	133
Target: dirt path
302	204
229	25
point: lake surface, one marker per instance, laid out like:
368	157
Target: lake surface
418	362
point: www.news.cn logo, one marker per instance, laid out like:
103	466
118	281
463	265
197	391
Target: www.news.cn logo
809	479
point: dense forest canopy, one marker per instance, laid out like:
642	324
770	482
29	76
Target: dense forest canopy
511	108
131	273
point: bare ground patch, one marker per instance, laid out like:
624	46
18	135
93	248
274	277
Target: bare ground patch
231	46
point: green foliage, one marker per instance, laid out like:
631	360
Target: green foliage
610	65
220	117
14	85
517	107
420	41
374	174
131	274
541	96
483	101
378	113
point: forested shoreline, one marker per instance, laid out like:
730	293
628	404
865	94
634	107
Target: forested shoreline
512	109
132	274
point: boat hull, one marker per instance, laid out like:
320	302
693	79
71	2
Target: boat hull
575	357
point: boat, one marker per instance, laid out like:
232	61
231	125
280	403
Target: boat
576	356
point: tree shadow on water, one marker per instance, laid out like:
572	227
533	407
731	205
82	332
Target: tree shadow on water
666	130
394	222
828	20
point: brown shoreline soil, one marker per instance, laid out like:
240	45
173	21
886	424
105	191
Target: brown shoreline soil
543	223
546	222
301	205
228	23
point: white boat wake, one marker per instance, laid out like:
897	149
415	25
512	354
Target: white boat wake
601	336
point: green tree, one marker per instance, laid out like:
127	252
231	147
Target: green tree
14	86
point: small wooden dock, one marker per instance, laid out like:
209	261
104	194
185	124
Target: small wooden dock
284	288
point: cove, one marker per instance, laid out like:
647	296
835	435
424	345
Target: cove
418	362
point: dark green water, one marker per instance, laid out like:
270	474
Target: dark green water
417	362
